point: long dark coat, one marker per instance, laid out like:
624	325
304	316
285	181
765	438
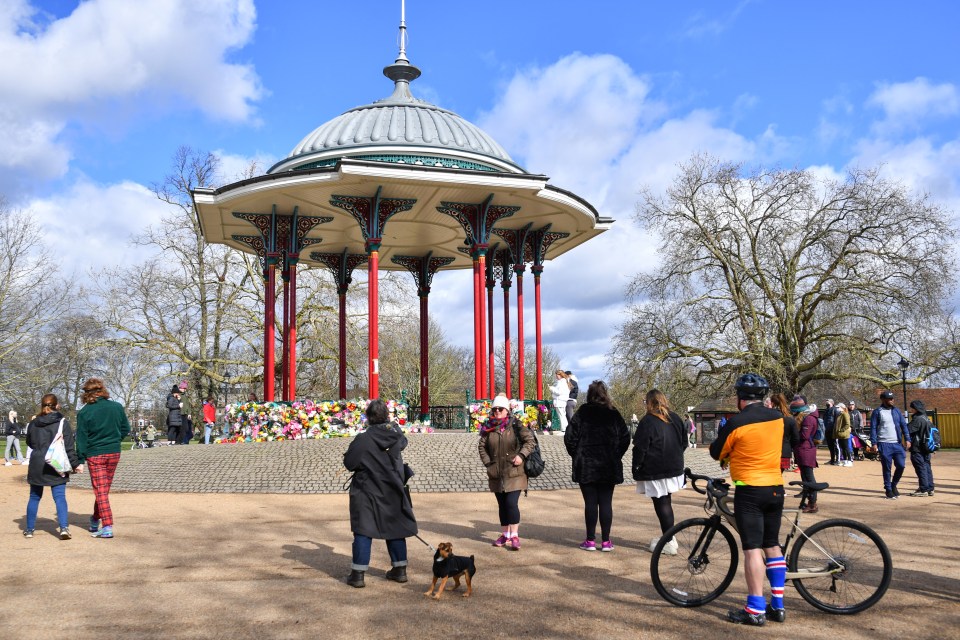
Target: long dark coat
379	504
805	453
596	439
40	433
498	449
658	448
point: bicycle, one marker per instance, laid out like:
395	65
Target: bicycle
839	566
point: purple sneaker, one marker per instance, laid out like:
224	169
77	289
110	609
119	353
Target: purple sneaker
588	545
499	542
515	543
606	546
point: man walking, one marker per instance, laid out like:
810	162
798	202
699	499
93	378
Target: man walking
750	444
918	428
829	429
888	432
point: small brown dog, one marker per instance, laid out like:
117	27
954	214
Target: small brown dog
446	566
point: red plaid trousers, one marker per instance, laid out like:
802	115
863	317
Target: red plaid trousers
101	469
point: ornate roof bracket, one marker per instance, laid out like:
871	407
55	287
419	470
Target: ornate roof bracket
422	268
372	213
342	265
477	220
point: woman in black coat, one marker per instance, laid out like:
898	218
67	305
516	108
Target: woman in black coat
379	503
658	447
596	439
40	434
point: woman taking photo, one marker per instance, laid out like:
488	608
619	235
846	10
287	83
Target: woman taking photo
101	425
805	453
596	439
658	447
379	503
40	435
504	446
560	392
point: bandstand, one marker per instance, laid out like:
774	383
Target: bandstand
399	184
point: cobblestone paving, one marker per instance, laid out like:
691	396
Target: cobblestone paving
443	462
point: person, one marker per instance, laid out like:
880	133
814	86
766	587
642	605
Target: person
791	434
380	504
209	418
829	416
596	439
692	429
40	435
856	431
842	430
888	432
658	447
750	446
560	391
185	434
919	422
504	446
12	431
574	392
151	435
805	453
174	415
101	426
251	397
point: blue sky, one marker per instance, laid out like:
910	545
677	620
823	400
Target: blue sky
604	97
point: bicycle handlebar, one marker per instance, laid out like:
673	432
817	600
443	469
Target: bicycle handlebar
716	489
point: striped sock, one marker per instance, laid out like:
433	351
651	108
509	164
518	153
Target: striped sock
755	605
777	575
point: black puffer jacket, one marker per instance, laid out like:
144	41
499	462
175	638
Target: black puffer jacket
596	439
40	434
379	504
658	448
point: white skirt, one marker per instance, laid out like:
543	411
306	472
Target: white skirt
662	487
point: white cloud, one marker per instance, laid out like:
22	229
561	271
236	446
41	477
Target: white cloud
906	104
234	168
108	54
105	217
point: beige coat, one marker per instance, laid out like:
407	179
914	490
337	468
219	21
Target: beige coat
497	451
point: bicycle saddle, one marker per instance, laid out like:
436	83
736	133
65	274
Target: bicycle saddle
813	486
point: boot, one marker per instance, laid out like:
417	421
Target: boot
355	579
397	574
811	508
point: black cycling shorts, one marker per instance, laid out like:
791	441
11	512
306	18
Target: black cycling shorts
758	511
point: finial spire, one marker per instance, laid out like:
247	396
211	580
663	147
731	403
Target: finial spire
401	71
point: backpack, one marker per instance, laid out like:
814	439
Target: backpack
534	465
929	440
818	436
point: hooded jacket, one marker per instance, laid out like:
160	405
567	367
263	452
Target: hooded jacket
40	434
497	451
380	506
805	453
596	439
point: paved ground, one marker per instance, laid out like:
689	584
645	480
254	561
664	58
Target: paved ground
261	565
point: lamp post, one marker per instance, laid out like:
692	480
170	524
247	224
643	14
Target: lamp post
903	364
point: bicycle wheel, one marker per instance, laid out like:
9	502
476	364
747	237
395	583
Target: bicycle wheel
703	567
857	558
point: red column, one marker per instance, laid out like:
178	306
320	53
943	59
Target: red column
536	299
520	348
492	383
506	341
477	353
343	345
292	337
285	337
269	322
482	324
424	360
373	336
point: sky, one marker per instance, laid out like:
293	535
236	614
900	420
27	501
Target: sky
604	97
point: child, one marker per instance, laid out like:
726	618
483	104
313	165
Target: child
40	434
151	435
209	418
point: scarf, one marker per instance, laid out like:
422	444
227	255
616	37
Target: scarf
492	424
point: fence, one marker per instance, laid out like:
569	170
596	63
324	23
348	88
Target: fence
949	424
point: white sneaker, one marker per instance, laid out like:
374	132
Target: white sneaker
25	462
8	464
669	549
848	463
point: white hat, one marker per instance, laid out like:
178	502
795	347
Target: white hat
501	402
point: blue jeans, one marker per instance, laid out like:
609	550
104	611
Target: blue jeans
59	498
921	464
361	552
207	428
13	445
891	452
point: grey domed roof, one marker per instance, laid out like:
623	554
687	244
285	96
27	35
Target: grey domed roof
400	128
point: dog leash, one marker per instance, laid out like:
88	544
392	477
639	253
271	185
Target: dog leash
424	542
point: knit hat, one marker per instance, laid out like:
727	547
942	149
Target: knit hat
799	405
175	389
501	402
918	406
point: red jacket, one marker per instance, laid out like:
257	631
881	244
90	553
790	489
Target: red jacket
209	412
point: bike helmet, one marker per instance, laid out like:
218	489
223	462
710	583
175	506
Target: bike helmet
886	395
751	386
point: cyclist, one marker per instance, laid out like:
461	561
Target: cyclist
750	445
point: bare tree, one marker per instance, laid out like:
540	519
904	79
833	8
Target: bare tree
797	277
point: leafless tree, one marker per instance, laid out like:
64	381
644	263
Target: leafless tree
791	275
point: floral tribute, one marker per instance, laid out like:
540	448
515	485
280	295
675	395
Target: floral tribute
303	420
535	415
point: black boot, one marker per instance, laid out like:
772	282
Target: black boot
356	579
397	574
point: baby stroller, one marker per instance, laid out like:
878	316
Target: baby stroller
868	451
